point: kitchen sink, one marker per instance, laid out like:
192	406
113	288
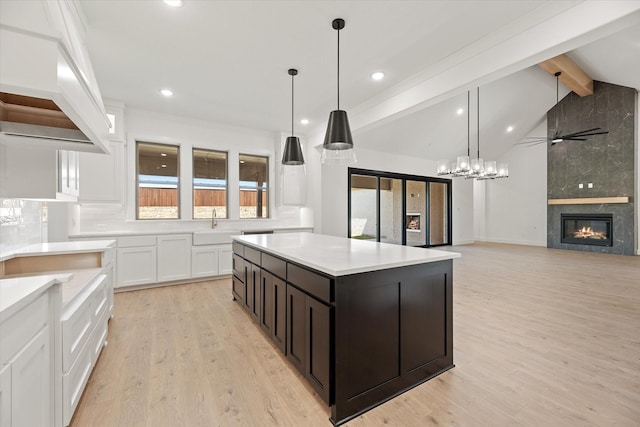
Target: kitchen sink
213	237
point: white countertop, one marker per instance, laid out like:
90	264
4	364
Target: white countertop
60	248
340	256
16	293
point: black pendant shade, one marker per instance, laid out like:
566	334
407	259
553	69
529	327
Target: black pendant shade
338	136
292	155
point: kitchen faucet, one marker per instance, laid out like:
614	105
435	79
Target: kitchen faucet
214	223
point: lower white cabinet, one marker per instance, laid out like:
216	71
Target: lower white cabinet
174	257
225	260
27	366
204	261
136	266
5	395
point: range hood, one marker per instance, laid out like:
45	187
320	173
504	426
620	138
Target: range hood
49	96
26	116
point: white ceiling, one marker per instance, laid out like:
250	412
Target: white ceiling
227	62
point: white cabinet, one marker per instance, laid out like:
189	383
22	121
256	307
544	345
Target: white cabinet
5	395
103	176
68	174
211	260
31	383
27	365
225	260
136	266
43	174
174	257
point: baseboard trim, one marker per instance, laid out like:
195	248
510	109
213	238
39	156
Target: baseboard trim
515	242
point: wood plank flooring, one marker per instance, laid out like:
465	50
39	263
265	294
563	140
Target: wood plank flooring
542	337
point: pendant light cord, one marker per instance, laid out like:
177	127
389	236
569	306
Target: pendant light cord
468	122
291	105
338	69
557	99
478	123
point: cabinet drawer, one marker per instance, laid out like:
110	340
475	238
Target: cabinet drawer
98	339
73	383
76	330
313	283
133	241
238	248
274	265
18	329
238	290
238	267
99	300
252	255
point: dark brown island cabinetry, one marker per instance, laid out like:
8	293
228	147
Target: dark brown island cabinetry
359	339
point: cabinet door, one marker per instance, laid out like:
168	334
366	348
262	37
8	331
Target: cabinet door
296	328
174	257
31	397
204	261
252	303
318	327
102	175
278	326
136	266
225	260
239	290
266	301
68	182
5	396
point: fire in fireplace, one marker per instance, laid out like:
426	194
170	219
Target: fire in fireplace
587	229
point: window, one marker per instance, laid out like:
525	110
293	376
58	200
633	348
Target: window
397	208
254	186
157	172
209	184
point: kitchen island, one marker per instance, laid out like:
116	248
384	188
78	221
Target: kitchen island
362	321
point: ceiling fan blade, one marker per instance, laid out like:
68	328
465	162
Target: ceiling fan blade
581	133
573	138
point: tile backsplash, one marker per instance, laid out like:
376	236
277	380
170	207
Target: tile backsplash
21	224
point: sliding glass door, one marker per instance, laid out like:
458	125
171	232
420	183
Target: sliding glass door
397	208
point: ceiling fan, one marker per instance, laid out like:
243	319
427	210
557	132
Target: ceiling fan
558	136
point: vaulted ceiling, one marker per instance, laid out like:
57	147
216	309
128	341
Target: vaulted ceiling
227	61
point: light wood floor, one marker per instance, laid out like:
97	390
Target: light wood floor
542	337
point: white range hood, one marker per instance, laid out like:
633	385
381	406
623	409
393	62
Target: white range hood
45	64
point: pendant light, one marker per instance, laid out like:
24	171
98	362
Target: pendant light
338	143
292	155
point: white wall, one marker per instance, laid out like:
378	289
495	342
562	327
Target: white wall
333	200
21	224
189	133
514	210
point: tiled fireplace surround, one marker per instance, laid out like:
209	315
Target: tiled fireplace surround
605	161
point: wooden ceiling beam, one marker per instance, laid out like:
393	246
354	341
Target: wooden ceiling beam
572	75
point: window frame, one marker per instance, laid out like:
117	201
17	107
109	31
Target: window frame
137	180
268	188
226	160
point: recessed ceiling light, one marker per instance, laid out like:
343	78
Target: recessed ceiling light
377	75
163	154
174	3
166	92
510	129
304	121
164	166
459	111
242	161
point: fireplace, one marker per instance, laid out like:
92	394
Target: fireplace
587	229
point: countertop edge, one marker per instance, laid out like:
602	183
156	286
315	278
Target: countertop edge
32	291
346	272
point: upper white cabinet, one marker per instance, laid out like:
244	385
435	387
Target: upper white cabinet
44	174
57	68
103	176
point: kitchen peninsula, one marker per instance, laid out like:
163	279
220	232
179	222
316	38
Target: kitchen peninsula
362	321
